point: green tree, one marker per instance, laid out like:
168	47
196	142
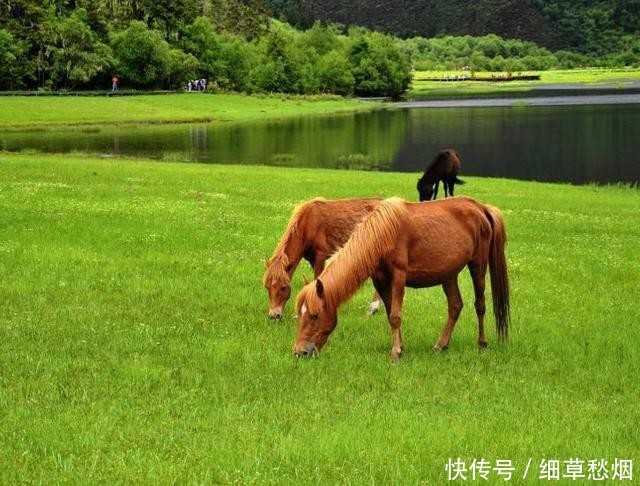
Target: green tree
225	59
75	55
334	74
10	60
182	67
246	18
143	57
379	67
278	69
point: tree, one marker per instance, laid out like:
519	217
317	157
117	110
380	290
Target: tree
10	60
334	74
75	55
182	67
379	67
143	57
223	58
278	70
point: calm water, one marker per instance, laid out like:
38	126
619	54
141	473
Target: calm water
578	144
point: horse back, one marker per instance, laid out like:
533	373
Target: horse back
331	222
446	163
443	237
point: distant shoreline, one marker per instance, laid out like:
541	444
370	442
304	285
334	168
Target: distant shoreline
592	99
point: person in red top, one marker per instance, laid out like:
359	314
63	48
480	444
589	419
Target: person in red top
114	83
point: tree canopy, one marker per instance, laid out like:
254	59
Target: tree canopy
236	45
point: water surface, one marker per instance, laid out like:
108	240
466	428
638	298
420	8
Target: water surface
568	143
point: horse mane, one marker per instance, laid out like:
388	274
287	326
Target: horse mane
277	264
350	266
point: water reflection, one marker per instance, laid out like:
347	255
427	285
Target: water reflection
576	144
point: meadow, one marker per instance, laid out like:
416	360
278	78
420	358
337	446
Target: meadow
136	347
423	87
41	111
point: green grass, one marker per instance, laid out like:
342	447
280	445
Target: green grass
135	347
37	111
422	87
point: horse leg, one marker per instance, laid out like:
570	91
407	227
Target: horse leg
392	295
318	263
454	301
395	314
478	272
375	303
435	190
445	185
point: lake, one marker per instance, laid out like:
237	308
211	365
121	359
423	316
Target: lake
555	143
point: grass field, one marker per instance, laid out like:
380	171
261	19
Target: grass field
136	349
37	111
587	77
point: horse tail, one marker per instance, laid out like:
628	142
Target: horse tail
459	181
498	272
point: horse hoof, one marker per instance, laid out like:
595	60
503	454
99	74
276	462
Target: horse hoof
482	345
438	349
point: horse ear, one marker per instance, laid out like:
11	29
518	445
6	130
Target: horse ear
266	261
319	288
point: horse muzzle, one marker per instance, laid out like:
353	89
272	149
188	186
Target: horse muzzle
309	350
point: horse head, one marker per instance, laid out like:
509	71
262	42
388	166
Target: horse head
425	190
316	320
278	284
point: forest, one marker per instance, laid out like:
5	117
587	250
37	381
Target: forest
81	44
596	27
239	45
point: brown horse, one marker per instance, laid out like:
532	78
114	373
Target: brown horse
444	167
317	228
417	245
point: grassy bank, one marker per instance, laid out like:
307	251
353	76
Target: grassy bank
36	111
136	349
423	87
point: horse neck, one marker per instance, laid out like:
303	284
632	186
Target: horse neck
294	249
342	280
291	245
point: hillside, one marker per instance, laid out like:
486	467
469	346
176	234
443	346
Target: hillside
600	26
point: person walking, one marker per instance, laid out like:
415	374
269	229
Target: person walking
114	83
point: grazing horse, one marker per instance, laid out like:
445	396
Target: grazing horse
416	245
444	167
317	228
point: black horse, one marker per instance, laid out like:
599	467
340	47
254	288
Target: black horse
444	168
